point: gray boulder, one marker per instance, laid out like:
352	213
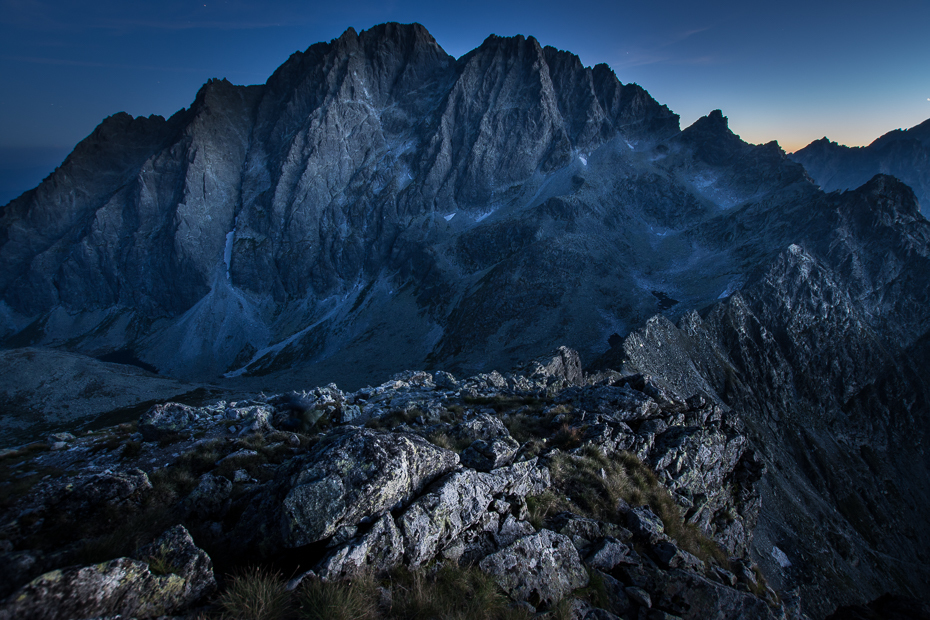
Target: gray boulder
458	502
644	524
355	475
485	455
172	574
210	500
563	364
165	419
378	550
610	552
539	569
692	597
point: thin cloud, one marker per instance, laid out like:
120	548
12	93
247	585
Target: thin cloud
662	53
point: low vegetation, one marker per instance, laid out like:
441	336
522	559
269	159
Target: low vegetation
593	485
449	593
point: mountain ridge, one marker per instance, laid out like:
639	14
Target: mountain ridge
903	153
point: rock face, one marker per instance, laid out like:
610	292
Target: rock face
541	568
358	475
903	153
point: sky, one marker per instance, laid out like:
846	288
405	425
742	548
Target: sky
792	71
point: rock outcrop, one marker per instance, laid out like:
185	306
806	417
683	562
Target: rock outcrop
343	499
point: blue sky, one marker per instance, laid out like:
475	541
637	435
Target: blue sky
790	71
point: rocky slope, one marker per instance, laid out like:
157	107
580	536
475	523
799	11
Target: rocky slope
828	372
902	153
541	480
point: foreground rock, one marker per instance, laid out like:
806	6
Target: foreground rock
354	475
170	574
538	569
556	482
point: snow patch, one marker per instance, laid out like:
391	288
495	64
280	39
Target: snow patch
448	217
583	160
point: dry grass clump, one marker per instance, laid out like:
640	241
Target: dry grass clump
508	402
394	419
452	593
343	600
525	425
567	437
255	594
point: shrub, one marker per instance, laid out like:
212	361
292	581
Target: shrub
131	449
255	594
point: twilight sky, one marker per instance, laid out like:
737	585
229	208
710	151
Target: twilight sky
791	71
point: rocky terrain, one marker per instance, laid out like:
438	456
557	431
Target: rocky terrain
584	496
757	354
903	153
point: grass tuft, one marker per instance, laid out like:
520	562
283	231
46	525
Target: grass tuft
255	594
344	600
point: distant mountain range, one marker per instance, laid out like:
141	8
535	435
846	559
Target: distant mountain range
378	205
902	153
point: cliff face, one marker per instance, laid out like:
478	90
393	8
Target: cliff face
903	153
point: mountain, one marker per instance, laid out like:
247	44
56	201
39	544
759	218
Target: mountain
378	205
902	153
376	194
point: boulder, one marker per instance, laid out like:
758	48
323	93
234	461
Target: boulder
210	500
608	553
485	455
355	475
171	575
694	597
668	556
165	419
563	364
540	569
584	531
459	501
644	524
379	549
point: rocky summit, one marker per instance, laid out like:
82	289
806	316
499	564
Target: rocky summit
746	439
